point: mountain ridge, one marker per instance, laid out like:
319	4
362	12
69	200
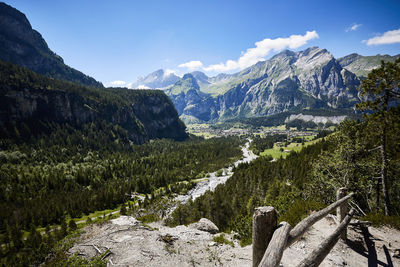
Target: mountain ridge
29	101
311	78
24	46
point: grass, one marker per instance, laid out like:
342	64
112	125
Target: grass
206	135
276	152
96	214
378	219
221	239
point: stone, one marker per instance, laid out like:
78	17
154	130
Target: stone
205	225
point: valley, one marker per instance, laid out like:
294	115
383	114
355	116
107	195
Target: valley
168	169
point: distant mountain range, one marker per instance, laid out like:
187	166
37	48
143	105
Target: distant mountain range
289	81
22	45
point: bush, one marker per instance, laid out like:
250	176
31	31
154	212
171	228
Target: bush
72	225
378	219
123	210
299	210
148	218
220	239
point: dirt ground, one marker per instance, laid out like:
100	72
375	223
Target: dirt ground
132	244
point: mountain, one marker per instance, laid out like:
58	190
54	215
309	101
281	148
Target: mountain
362	65
201	78
34	105
21	45
192	104
289	81
156	80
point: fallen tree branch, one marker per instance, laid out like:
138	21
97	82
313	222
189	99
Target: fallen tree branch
323	249
302	226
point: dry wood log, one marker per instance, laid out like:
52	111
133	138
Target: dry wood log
264	224
277	245
323	249
302	226
341	211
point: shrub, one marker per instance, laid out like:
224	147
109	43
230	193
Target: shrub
378	219
220	239
148	218
299	210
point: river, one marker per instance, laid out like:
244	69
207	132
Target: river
213	181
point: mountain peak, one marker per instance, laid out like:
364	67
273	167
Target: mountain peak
186	83
156	79
11	12
22	45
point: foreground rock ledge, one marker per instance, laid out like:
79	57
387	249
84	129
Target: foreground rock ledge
133	244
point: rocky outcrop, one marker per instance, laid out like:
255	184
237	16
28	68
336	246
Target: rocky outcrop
316	119
22	45
133	244
205	225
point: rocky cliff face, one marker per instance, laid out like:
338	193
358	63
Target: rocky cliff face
22	45
33	99
152	117
312	78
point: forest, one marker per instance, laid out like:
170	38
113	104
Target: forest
73	172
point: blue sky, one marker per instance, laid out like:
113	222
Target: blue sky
120	40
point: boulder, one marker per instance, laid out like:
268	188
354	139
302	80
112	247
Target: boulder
205	225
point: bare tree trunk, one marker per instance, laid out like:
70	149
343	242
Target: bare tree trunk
378	192
264	224
384	171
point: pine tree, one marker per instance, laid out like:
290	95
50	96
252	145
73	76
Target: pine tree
72	225
381	90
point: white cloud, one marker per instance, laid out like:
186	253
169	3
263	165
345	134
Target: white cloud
168	72
120	84
143	87
262	49
117	83
389	37
353	27
191	65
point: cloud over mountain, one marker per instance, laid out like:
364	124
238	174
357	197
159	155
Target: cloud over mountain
255	54
389	37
